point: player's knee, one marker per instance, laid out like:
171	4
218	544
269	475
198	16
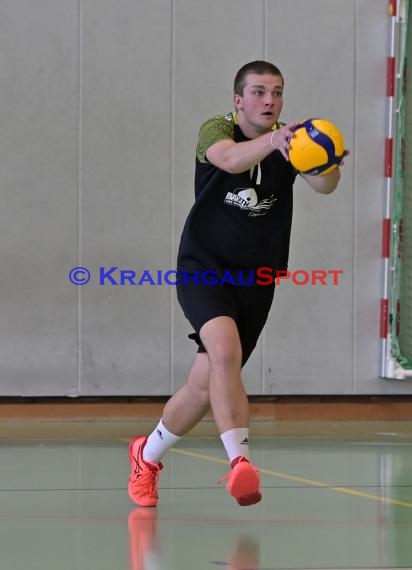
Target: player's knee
220	338
225	355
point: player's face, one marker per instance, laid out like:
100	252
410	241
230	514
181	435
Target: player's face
261	103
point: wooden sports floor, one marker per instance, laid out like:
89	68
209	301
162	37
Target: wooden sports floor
331	499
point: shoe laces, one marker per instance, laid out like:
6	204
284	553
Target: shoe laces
222	479
147	478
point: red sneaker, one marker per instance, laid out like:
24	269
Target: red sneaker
244	483
144	476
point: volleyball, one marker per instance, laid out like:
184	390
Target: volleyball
317	147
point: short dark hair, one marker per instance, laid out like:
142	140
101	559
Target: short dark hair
259	67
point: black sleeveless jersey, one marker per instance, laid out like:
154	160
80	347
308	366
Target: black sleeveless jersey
238	221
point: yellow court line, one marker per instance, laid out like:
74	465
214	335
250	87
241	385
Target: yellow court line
310	482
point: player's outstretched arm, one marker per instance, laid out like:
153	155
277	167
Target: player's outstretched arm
237	157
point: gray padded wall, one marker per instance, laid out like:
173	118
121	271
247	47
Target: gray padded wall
101	104
39	59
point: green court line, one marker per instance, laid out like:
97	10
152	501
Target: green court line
309	482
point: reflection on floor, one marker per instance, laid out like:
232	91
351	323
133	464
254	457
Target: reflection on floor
328	503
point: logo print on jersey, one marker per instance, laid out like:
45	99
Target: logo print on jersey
247	199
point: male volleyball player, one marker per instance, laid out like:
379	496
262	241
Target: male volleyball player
240	221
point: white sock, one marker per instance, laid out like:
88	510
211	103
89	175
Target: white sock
158	442
236	442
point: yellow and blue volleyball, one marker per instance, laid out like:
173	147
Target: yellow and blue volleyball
316	147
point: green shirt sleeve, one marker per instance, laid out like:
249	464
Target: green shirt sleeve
214	130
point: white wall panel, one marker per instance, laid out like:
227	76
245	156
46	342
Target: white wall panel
125	195
38	225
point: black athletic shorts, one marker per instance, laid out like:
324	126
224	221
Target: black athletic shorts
248	306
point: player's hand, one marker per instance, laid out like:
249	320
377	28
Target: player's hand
280	139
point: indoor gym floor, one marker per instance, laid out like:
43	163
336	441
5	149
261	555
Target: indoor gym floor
331	499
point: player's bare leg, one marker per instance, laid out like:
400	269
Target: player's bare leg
227	394
230	406
191	402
